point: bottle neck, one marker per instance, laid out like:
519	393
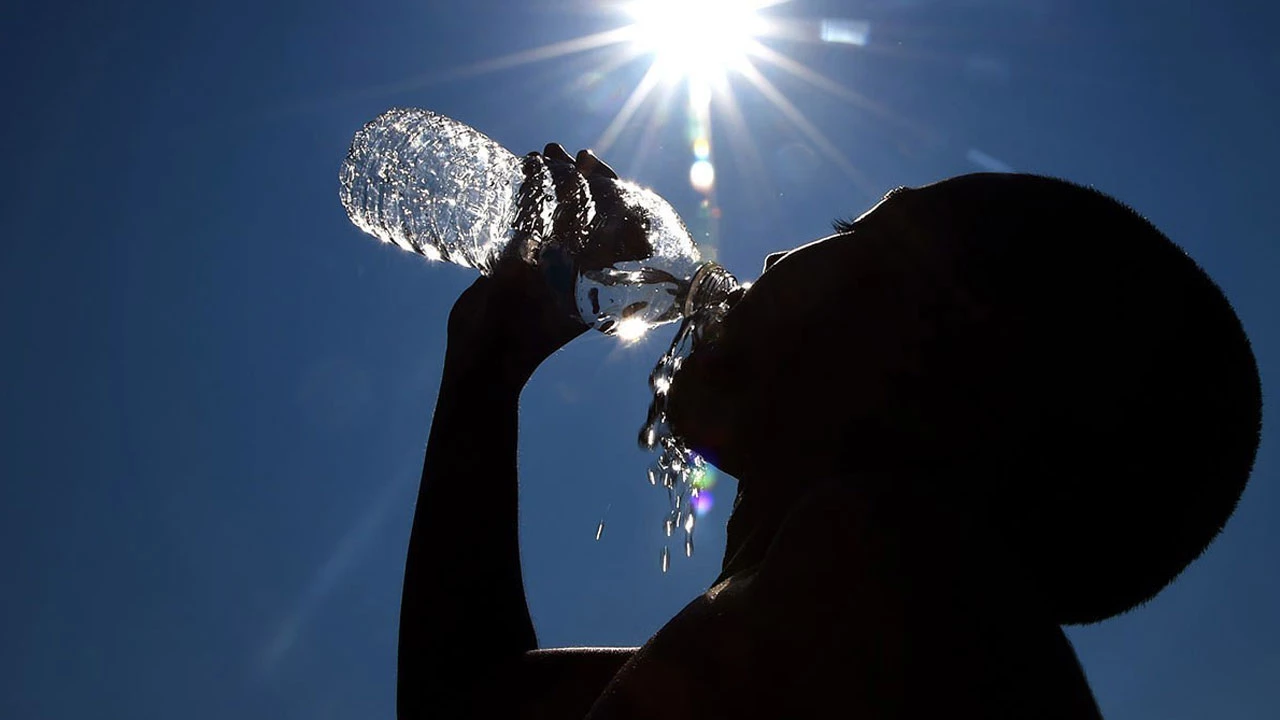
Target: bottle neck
711	286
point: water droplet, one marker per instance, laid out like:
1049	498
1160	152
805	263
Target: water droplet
599	530
705	300
666	558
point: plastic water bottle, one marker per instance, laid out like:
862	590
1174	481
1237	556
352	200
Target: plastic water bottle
441	189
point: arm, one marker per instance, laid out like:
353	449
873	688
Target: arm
463	615
466	638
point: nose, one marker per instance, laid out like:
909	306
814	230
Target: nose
772	258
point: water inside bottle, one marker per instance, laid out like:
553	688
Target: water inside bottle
626	287
630	298
436	187
431	185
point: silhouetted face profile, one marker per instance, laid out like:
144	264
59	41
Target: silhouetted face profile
1025	351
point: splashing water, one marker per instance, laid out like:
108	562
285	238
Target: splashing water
678	469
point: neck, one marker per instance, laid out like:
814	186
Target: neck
918	508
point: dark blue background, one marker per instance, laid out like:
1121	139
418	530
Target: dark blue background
216	392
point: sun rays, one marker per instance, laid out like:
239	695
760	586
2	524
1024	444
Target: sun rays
704	48
704	45
706	62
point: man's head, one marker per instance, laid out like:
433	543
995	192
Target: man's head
1033	351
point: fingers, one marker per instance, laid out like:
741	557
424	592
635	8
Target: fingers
555	151
588	164
573	179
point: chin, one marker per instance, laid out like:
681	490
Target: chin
706	418
722	452
708	438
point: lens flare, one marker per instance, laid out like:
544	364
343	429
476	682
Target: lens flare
849	32
705	479
701	148
703	503
702	176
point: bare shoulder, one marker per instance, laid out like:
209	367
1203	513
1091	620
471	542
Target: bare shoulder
850	616
772	639
679	672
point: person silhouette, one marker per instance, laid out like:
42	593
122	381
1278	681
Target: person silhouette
986	408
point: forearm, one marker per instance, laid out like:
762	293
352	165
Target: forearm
463	613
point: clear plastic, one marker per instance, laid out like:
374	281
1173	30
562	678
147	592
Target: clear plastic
436	187
441	189
432	186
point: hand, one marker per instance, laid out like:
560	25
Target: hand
510	321
587	164
507	323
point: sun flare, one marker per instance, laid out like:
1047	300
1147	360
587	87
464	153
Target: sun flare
712	50
699	39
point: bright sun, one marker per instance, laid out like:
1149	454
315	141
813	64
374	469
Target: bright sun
698	39
708	47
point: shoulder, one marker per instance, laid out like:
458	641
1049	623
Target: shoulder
849	615
770	641
684	670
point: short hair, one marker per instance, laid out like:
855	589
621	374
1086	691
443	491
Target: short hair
1093	381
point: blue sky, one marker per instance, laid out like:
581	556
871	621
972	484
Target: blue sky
217	392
